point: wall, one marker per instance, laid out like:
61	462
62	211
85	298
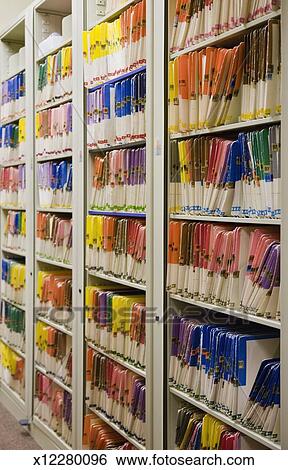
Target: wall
11	9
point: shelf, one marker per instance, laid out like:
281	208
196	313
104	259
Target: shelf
12	394
229	312
65	43
231	34
55	157
117	280
114	426
114	13
13	163
11	120
12	75
54	104
60	264
38	423
14	348
124	76
236	126
232	220
20	307
13	208
54	379
61	210
225	419
57	326
117	359
136	143
14	252
117	214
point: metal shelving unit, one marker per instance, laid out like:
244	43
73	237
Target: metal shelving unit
14	37
179	303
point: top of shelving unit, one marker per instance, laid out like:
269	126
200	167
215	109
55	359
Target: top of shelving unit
234	33
15	32
62	7
114	13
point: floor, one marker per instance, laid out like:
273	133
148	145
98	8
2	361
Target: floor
12	435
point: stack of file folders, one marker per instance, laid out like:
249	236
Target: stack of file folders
15	231
12	369
54	237
117	392
116	247
195	21
53	406
13	281
116	322
116	112
119	180
54	296
98	435
12	325
196	431
54	131
223	177
55	184
114	48
262	412
54	352
13	97
218	363
13	186
217	86
55	77
12	141
230	267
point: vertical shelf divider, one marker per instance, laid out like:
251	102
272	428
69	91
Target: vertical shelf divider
78	204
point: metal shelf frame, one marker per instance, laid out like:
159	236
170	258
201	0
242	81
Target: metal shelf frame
177	302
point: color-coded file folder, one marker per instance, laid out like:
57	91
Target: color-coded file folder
54	131
54	296
195	21
262	412
197	431
12	142
55	77
54	352
13	97
116	322
13	281
53	406
218	363
55	184
116	112
116	246
114	48
119	180
225	177
12	369
218	86
230	267
15	231
117	392
99	435
12	325
54	237
13	186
